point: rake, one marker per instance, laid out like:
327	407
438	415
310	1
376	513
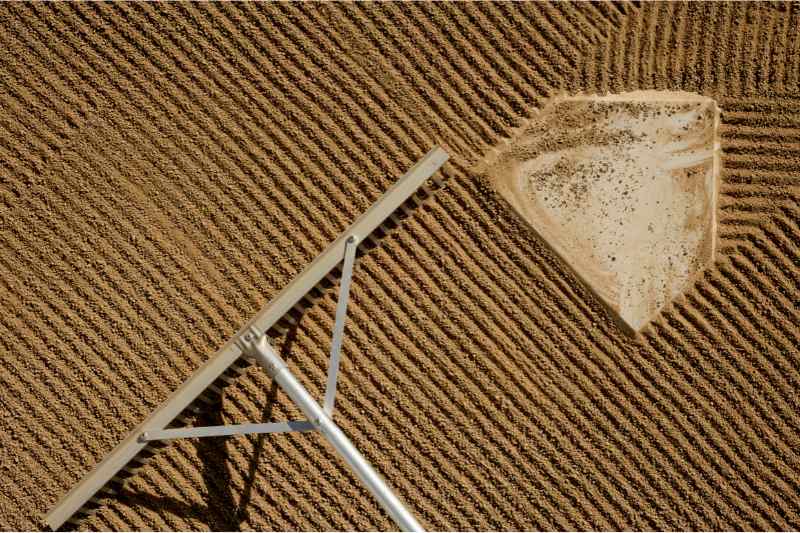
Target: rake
253	342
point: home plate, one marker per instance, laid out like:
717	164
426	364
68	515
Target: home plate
623	187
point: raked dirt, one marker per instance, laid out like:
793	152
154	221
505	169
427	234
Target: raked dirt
167	168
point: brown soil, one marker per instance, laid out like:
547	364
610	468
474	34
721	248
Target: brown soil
166	169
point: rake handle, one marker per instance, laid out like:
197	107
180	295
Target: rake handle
266	356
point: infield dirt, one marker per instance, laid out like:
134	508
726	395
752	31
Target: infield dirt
167	168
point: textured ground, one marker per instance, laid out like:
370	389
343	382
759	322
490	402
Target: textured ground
167	168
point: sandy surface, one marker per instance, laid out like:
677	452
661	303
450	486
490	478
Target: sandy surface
167	168
623	187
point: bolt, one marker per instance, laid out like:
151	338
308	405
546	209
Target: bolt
351	239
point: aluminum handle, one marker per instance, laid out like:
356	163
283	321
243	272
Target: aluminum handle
266	356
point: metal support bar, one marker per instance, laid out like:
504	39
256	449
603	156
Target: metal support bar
220	431
351	246
263	352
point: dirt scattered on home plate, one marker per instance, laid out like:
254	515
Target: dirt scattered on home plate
623	187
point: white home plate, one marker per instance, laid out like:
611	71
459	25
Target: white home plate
623	187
